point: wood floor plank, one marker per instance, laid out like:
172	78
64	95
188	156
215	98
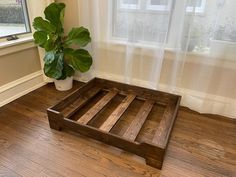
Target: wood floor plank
5	172
97	107
117	113
68	159
81	101
135	126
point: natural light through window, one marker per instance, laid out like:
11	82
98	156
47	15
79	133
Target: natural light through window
207	23
141	19
13	18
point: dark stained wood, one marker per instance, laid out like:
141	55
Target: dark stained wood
200	145
134	128
161	136
114	117
125	93
70	98
97	107
161	97
152	151
71	108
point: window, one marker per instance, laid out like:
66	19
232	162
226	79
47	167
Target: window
129	4
160	5
143	20
13	18
148	21
197	6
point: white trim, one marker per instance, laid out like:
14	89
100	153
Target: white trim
198	101
197	9
8	47
171	54
158	7
20	87
122	5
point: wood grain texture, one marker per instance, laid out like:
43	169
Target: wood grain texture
200	145
135	126
71	108
151	151
164	128
97	107
114	117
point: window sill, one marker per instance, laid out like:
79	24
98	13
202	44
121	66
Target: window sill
141	44
8	47
205	58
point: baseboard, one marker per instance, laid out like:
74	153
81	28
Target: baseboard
20	87
195	100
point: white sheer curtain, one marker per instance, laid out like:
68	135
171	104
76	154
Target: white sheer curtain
36	8
186	47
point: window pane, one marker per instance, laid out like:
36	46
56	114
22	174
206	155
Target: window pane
141	25
130	2
194	3
13	17
159	2
216	28
196	6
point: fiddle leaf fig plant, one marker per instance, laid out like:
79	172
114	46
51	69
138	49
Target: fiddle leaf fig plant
60	59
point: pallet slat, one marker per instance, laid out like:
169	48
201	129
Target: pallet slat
97	107
162	132
70	98
117	113
80	102
136	125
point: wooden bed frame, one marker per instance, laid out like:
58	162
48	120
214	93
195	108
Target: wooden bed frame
62	115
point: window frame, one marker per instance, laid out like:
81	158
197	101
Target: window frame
122	5
115	6
200	10
25	10
158	7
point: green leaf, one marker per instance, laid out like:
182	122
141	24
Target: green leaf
62	15
55	14
79	36
40	38
48	42
67	72
78	59
49	57
49	45
54	65
42	25
63	76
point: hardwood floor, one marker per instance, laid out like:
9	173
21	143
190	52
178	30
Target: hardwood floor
200	145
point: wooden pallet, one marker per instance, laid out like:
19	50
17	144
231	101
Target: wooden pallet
132	118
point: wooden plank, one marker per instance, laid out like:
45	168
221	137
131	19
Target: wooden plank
125	93
70	109
97	107
117	113
160	97
162	133
134	128
70	98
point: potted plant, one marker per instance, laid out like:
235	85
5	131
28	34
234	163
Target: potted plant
60	60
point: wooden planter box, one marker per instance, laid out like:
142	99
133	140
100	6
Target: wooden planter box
132	118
